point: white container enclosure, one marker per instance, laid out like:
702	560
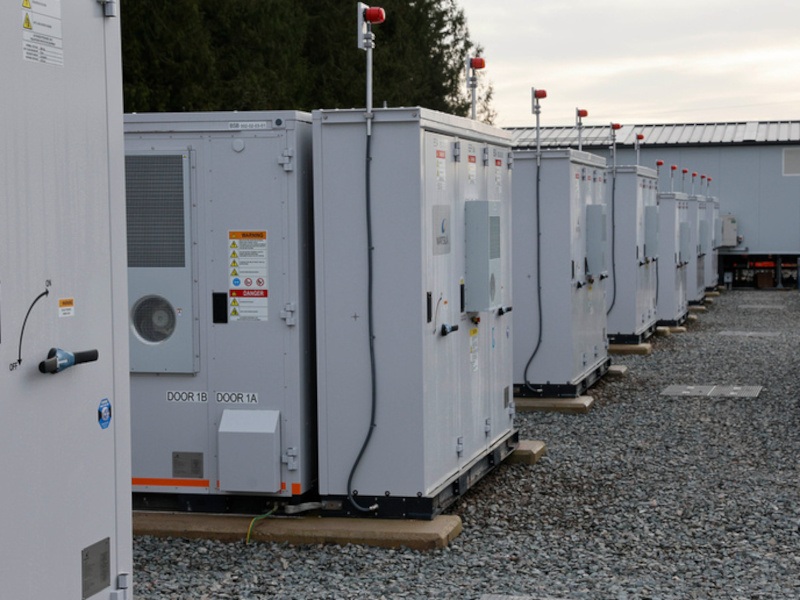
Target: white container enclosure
633	243
560	272
221	308
64	404
675	250
414	325
712	254
699	240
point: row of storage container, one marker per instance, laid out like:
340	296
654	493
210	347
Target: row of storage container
319	310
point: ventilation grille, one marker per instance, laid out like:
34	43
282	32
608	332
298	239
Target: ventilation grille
155	211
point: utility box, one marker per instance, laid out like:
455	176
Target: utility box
674	250
729	232
221	307
417	265
633	286
698	242
64	405
560	225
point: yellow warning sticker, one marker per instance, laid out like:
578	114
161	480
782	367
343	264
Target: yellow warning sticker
66	307
234	263
234	302
234	255
26	24
234	313
234	245
234	273
26	3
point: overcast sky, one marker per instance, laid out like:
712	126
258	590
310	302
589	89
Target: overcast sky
640	61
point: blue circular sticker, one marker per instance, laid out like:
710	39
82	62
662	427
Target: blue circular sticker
237	281
104	413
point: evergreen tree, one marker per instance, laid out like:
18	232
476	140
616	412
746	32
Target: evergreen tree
270	54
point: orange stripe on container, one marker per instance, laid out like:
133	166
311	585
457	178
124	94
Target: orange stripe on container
170	482
297	489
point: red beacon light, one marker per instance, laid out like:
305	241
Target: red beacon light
477	63
374	15
694	174
540	94
685	171
659	163
702	177
640	136
616	126
582	112
674	168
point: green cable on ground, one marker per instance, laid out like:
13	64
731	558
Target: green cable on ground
253	522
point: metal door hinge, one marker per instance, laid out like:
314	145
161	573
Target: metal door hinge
289	458
286	159
486	157
510	160
457	152
460	446
288	313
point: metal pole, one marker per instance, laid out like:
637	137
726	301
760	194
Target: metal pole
369	42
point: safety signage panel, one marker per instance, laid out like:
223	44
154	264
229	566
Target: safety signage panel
248	291
42	40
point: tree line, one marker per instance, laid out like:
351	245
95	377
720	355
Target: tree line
197	55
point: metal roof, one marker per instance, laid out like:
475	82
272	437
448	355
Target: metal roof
676	134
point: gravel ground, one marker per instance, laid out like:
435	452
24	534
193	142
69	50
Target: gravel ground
647	496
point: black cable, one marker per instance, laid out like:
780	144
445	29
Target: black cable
613	242
371	328
538	273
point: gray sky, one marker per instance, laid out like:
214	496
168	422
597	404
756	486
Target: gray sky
641	61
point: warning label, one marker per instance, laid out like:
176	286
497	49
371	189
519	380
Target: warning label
66	307
247	275
42	39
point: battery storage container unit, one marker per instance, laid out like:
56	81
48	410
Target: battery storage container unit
221	307
64	403
632	288
572	273
674	241
440	294
699	241
715	233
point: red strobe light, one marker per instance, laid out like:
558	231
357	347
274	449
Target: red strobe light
477	63
640	136
685	171
616	126
374	15
582	112
674	167
539	94
659	163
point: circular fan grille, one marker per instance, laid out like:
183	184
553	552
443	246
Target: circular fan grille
154	318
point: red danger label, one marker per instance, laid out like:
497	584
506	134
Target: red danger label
472	158
248	293
441	154
498	162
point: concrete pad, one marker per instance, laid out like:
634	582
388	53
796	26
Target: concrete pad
617	371
579	405
383	533
712	294
678	329
642	349
693	318
663	331
528	452
708	300
697	309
